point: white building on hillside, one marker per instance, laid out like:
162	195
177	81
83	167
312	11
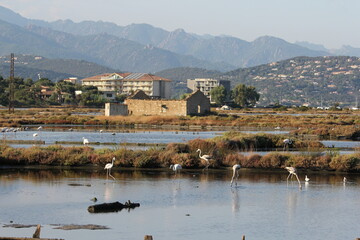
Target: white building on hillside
112	84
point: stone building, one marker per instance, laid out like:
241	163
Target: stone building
139	104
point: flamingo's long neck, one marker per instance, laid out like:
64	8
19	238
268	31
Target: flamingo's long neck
200	154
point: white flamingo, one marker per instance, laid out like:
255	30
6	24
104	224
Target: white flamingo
85	141
176	168
235	176
35	135
292	171
207	158
108	166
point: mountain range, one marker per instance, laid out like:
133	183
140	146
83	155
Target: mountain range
282	72
144	48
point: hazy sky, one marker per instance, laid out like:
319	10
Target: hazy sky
332	23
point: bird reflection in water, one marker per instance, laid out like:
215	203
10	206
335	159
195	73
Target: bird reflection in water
109	190
235	200
292	203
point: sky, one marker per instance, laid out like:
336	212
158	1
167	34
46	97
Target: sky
331	23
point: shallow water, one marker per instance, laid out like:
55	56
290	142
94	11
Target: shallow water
94	136
195	205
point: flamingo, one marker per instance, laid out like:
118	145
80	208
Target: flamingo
108	166
39	128
207	158
35	135
235	176
292	171
176	167
287	142
307	179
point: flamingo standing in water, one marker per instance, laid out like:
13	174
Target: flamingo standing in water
109	166
176	168
292	171
207	158
235	176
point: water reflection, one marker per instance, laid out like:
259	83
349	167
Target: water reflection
292	203
235	200
204	207
109	189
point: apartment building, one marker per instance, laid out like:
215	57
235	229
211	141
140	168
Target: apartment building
112	84
205	85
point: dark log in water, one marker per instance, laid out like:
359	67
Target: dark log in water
112	207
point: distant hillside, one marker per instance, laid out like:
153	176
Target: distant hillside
103	49
141	47
28	66
230	50
303	80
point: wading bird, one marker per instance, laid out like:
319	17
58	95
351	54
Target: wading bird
344	180
85	141
235	176
287	142
306	178
292	171
35	135
108	166
176	168
207	158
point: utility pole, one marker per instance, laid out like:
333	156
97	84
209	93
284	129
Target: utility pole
11	84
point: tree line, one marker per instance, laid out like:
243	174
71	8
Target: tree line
241	95
44	92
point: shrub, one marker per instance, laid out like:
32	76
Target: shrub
232	159
273	160
345	162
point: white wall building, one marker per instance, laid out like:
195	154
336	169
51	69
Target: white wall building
112	84
205	85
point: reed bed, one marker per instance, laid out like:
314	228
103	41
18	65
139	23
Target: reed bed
225	150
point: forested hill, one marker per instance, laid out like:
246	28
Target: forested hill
304	80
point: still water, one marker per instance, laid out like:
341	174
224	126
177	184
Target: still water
194	205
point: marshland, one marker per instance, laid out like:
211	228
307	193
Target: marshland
52	184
